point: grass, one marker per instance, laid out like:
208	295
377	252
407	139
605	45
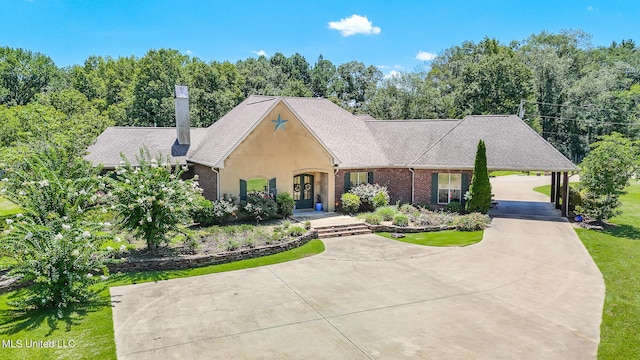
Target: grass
546	189
89	328
505	173
616	251
7	208
439	238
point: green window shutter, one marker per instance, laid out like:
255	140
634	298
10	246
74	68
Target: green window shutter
434	188
347	181
273	191
464	188
370	177
243	189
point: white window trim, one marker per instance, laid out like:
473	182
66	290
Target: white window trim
448	188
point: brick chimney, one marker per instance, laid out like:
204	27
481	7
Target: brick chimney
182	114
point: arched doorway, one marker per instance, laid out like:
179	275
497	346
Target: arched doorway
303	191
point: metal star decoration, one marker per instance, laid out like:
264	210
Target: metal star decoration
279	123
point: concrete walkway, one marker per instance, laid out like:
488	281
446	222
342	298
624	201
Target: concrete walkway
529	290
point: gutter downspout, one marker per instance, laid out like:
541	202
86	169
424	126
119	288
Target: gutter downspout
217	182
413	182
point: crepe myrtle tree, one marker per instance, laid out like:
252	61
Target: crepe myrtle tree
53	240
151	199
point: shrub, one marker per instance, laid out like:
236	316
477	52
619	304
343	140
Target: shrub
371	195
479	198
350	203
400	220
407	209
62	259
386	212
296	231
373	219
454	207
575	198
433	218
285	204
260	205
472	222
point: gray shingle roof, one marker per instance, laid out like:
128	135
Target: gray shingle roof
354	141
511	145
107	147
403	141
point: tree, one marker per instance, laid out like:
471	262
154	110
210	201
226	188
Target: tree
23	74
151	199
605	173
54	240
480	190
356	84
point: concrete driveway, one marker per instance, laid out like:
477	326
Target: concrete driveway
529	290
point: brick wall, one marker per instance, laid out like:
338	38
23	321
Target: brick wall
207	179
398	182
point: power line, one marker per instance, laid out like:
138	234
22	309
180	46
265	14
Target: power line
588	106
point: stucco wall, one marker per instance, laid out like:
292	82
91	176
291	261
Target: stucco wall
281	154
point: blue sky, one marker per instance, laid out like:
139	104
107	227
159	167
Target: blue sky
394	35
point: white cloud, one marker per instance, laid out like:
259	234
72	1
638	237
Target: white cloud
425	56
392	74
188	52
355	24
589	8
260	52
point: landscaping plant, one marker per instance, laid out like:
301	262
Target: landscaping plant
605	173
350	203
371	196
151	199
53	241
285	204
479	196
260	206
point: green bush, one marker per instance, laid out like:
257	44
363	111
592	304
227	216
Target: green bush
400	220
479	196
472	222
350	203
454	207
371	196
407	209
285	204
373	219
386	212
296	231
260	205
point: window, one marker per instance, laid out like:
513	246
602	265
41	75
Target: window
449	188
352	179
357	178
257	184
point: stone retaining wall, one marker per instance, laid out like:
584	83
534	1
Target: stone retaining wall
186	262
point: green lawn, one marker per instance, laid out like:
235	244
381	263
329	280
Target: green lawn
616	251
90	329
7	207
440	238
505	173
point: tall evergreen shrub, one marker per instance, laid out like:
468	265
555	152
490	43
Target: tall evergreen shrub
480	189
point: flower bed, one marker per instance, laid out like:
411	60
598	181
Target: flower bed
189	261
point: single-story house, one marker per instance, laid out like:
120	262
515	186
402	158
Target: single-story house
316	150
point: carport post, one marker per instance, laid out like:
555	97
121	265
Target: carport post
553	186
565	192
557	197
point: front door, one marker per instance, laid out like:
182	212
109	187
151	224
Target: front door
303	191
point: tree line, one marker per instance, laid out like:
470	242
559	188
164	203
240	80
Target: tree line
568	90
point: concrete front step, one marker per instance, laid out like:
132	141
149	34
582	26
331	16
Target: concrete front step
342	230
